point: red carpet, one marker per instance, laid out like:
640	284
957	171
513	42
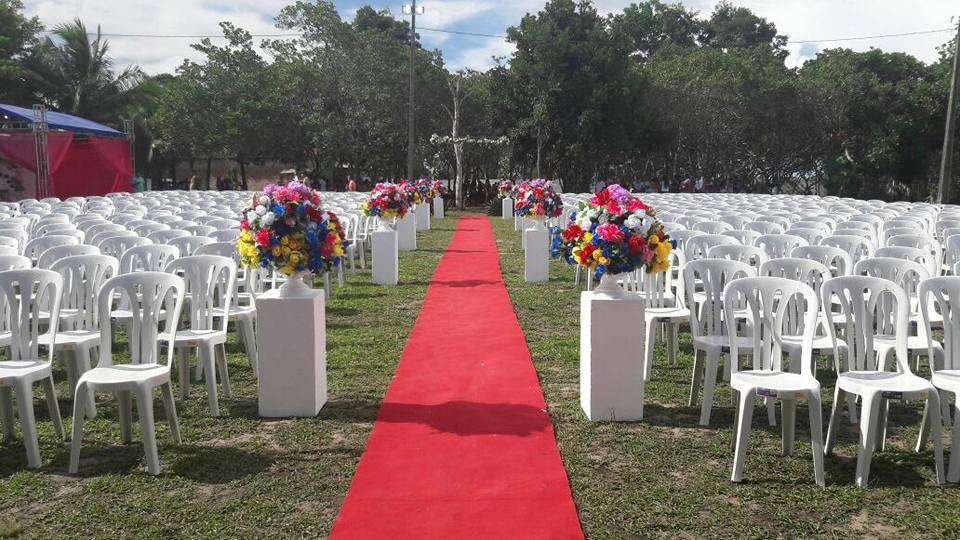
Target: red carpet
462	446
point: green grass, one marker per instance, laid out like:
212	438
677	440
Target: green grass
665	476
237	475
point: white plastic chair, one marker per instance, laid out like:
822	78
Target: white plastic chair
779	245
698	246
858	247
745	237
210	282
22	293
837	260
188	244
243	315
770	304
706	323
860	303
54	254
148	294
663	307
749	254
37	246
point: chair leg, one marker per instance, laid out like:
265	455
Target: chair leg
147	429
744	419
672	344
170	407
852	408
50	391
205	355
709	382
788	429
953	474
837	408
221	352
650	338
250	340
816	436
924	428
28	423
869	418
125	408
76	435
936	433
6	411
881	443
695	378
183	360
83	365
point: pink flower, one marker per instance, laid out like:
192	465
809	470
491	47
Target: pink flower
610	233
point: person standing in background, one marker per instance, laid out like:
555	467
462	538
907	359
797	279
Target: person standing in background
138	183
351	184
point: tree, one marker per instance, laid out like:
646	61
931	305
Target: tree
18	37
76	75
652	25
733	26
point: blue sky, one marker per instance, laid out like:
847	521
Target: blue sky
817	20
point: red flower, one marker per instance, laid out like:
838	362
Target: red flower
600	199
614	208
244	225
263	238
587	251
572	233
636	204
636	244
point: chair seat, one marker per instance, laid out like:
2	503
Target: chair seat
820	343
886	381
124	314
670	313
125	374
20	369
71	337
779	381
745	344
947	378
191	337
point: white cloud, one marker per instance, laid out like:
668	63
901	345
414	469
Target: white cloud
482	57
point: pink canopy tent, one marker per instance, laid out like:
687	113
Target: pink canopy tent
82	161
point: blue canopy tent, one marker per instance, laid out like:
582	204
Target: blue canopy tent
69	155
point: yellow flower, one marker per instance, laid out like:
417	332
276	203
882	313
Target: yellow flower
587	237
276	251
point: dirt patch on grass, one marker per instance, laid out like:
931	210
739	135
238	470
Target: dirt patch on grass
862	526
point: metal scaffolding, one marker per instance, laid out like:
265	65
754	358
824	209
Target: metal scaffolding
40	129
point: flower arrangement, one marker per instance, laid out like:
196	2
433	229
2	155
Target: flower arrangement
537	199
427	188
285	228
439	188
410	191
505	189
386	201
615	232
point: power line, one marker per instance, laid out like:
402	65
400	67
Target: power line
479	34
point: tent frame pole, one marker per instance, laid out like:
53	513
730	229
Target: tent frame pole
40	129
128	128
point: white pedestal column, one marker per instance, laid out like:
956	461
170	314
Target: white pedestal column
611	353
536	255
423	217
384	257
407	231
292	348
507	208
438	210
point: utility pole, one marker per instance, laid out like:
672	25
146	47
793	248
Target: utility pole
412	9
946	160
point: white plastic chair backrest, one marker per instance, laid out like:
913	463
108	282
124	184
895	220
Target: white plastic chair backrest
231	235
12	243
784	222
147	295
822	226
147	229
210	282
712	227
735	221
764	227
9	250
149	258
888	234
857	247
97	228
680	237
812	236
713	275
924	258
775	307
867	305
54	254
689	221
37	246
779	245
14	262
945	224
942	295
906	274
837	260
697	247
164	237
188	244
751	255
654	287
807	271
745	237
83	277
102	237
24	293
117	245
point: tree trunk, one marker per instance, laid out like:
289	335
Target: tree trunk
206	183
243	173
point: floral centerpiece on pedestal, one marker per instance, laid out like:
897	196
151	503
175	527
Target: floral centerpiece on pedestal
536	199
439	188
410	191
505	189
614	233
387	202
427	188
285	228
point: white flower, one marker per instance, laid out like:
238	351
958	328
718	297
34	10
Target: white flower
268	219
602	218
252	216
260	209
264	200
633	222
